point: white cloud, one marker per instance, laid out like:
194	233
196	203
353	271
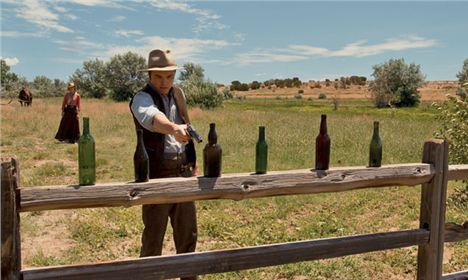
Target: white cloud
206	19
16	34
118	18
79	45
38	13
360	49
71	17
184	49
355	49
10	61
128	33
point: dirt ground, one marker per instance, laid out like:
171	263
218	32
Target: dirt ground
431	91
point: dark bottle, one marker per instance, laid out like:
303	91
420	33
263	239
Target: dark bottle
141	160
322	146
375	150
261	152
86	156
212	154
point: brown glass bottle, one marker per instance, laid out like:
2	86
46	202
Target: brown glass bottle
322	146
212	155
141	160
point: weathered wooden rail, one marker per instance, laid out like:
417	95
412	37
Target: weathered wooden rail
433	174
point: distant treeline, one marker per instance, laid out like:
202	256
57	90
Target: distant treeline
295	82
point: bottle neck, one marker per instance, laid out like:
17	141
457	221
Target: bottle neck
212	136
85	125
261	133
323	124
140	136
376	128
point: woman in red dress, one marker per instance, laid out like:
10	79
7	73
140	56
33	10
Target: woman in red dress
69	129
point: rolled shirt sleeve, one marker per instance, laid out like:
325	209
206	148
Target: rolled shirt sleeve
144	110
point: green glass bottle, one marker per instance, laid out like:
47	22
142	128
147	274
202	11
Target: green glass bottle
86	156
261	154
212	154
375	150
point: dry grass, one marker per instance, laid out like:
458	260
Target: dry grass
90	235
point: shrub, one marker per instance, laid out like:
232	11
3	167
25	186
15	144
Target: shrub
453	114
300	91
298	96
322	95
396	83
202	93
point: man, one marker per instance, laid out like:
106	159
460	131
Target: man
161	112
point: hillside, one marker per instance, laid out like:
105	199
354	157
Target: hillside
431	91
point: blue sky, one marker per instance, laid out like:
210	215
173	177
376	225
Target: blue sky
237	40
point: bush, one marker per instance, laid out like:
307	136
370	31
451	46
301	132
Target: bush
396	83
300	91
454	115
322	95
298	96
202	93
227	94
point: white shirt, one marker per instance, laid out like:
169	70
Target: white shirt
144	110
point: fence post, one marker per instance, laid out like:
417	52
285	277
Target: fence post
11	246
432	214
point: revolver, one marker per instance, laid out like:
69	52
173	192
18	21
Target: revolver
193	133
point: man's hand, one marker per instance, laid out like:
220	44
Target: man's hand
180	133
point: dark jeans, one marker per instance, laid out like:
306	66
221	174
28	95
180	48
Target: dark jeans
183	216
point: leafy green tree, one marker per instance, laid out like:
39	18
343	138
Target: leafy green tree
255	85
91	79
60	87
42	86
199	91
463	74
396	83
191	69
8	80
124	75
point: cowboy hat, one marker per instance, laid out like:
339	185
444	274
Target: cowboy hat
71	85
159	60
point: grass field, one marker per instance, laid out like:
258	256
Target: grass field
90	235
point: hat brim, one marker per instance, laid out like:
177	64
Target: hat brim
169	68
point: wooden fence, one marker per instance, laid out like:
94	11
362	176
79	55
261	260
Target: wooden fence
433	174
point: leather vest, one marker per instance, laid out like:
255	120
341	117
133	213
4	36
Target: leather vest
154	141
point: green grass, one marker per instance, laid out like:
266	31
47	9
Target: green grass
102	234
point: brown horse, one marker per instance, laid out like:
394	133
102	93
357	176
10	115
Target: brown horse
25	97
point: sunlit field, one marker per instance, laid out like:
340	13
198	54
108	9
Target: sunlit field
91	235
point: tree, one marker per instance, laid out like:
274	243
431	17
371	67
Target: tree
91	80
396	83
191	69
42	86
8	80
124	76
60	87
255	85
463	74
200	92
